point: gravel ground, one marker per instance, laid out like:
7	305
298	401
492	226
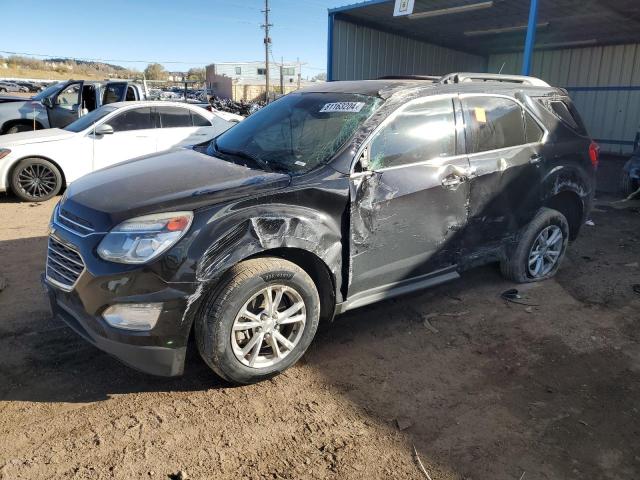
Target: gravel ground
487	390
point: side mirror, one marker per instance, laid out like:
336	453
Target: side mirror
47	102
104	129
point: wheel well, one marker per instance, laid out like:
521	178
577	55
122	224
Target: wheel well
55	164
316	269
571	206
7	125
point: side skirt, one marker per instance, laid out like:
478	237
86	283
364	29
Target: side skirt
391	290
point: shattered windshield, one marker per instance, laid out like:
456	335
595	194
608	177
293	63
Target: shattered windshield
298	132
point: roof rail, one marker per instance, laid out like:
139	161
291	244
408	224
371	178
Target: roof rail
410	77
492	77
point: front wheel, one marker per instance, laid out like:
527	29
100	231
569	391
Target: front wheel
21	127
36	180
259	321
539	249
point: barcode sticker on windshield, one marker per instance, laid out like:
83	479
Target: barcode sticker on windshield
342	107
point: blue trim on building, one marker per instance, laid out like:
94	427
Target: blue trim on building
612	88
332	20
615	142
530	42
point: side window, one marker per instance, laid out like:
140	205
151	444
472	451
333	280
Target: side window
420	132
69	97
113	93
199	120
174	117
135	119
492	123
533	130
131	94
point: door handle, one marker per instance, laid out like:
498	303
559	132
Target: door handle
536	159
452	181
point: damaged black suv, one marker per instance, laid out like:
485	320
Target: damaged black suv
331	198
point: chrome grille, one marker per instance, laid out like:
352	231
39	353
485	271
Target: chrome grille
74	223
64	265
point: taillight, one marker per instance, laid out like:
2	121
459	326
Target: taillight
594	154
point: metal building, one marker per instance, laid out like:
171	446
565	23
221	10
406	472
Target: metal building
589	47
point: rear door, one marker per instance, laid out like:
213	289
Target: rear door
505	147
66	105
134	136
410	204
177	128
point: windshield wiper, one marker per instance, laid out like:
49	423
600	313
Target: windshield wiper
239	153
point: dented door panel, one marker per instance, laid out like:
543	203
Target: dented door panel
405	222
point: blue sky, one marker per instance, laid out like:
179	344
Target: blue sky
195	32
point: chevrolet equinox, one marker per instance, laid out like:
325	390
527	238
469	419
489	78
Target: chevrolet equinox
328	199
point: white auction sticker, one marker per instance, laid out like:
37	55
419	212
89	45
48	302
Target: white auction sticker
348	107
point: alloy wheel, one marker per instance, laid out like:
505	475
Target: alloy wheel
546	251
268	327
37	180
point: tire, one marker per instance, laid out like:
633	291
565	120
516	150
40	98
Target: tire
3	90
35	180
516	265
626	185
221	347
19	128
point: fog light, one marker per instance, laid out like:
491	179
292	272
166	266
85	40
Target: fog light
133	316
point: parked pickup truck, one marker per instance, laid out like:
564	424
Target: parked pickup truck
63	103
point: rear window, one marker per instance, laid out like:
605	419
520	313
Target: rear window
565	111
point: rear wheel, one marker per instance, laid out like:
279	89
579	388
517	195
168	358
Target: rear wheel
539	250
36	180
259	321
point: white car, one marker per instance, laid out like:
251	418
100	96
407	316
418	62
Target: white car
36	165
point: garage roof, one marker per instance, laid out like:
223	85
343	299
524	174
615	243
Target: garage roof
499	26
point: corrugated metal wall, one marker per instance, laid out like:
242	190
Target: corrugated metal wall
604	83
361	52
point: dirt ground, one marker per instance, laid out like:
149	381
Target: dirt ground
493	390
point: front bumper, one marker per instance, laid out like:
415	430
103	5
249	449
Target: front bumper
155	360
160	351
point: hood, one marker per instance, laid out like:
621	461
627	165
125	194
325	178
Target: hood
35	136
172	181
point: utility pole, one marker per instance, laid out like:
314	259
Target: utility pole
282	76
267	43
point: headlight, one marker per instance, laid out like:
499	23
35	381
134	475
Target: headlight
142	239
4	152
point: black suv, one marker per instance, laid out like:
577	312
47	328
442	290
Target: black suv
331	198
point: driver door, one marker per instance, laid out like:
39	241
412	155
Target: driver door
134	135
66	105
409	202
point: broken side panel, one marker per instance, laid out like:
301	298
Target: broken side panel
405	222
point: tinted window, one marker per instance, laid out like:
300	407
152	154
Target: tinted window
136	119
562	111
199	120
420	132
174	117
533	130
492	123
89	119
